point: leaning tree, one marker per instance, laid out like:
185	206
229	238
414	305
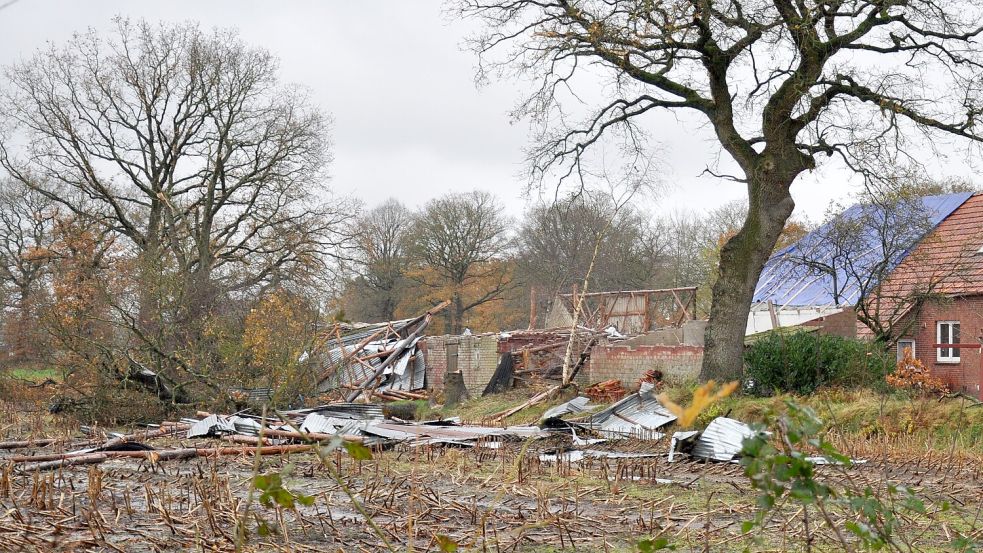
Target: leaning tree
784	85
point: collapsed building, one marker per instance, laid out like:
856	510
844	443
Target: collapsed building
624	336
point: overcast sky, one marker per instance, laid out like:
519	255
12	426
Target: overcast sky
409	121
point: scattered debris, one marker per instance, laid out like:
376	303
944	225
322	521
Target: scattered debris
652	376
722	440
606	392
575	405
575	455
460	435
639	415
681	441
212	425
383	358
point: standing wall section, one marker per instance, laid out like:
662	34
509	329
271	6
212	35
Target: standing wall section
475	356
629	363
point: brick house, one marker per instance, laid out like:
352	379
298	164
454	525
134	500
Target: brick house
932	294
946	331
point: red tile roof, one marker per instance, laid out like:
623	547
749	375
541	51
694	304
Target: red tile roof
948	260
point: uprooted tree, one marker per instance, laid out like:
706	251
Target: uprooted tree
782	83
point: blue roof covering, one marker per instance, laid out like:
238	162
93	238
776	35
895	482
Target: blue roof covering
786	282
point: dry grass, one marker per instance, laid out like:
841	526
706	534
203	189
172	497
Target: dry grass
489	499
502	499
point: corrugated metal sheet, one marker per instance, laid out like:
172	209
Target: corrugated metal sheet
315	422
449	434
639	415
575	405
210	426
785	281
358	411
681	441
722	440
579	454
408	373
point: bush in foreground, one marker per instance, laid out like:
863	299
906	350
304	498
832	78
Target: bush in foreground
802	362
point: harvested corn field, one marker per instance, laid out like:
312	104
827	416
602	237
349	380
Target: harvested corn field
503	491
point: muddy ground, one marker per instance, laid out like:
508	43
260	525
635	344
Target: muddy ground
481	498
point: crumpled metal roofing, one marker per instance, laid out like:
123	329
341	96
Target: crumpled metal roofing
572	456
679	439
785	281
722	440
367	411
407	373
210	426
575	405
638	415
423	433
317	423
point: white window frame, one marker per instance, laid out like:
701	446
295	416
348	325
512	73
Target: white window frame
953	355
902	346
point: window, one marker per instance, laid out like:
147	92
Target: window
906	344
948	333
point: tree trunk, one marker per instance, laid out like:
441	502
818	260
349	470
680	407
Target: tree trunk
741	260
24	349
457	314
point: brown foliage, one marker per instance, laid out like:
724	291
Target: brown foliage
911	374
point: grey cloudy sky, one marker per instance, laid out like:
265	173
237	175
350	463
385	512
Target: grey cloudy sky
408	119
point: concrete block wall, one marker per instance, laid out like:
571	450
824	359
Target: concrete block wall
476	357
629	363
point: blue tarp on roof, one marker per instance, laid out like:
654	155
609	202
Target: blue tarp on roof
785	282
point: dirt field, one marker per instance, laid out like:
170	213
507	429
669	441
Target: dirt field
483	498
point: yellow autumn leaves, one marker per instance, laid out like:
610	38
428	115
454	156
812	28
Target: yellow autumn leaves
703	397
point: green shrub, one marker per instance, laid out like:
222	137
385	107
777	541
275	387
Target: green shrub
801	362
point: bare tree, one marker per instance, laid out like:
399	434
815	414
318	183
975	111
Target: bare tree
184	149
182	141
781	83
462	239
556	242
26	220
382	259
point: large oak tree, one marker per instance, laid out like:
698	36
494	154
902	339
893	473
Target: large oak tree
783	84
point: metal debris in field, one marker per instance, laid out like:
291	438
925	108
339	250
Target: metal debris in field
383	361
722	440
681	441
354	411
319	424
212	425
639	415
575	405
462	435
575	455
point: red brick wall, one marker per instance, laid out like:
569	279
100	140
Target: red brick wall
842	324
628	364
965	375
435	359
